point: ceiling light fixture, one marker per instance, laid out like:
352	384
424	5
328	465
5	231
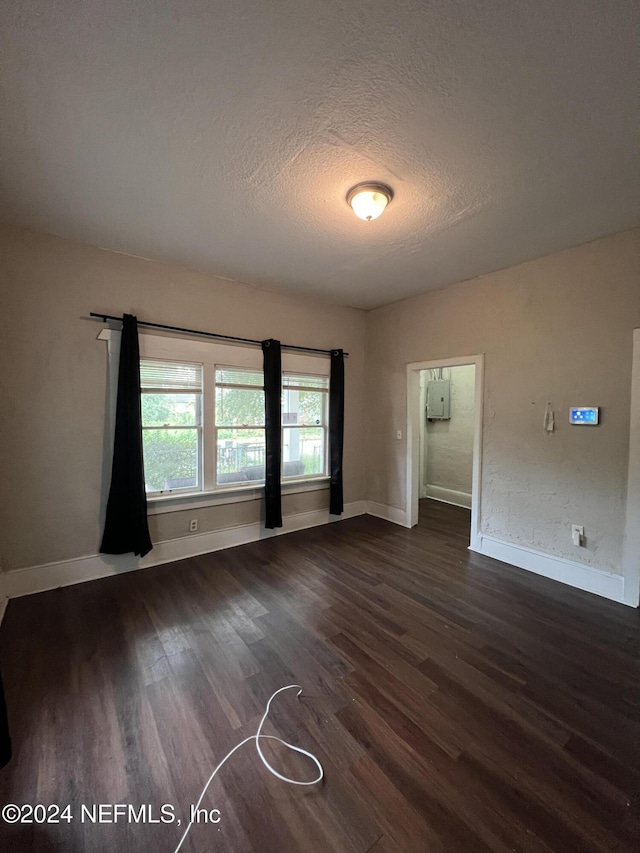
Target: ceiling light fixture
369	199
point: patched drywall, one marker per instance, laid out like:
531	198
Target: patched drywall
448	444
555	330
53	430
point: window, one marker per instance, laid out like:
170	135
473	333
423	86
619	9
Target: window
203	421
305	401
239	425
171	424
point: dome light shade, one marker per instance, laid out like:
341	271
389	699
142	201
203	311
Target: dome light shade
369	200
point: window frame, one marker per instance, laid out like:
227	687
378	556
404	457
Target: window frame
212	354
198	426
217	426
323	390
324	424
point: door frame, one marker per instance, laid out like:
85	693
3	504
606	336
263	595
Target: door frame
631	542
413	437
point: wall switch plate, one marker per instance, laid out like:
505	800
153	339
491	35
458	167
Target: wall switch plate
193	525
577	534
399	435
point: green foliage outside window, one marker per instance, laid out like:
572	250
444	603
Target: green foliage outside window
171	455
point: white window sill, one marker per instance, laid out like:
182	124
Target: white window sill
177	502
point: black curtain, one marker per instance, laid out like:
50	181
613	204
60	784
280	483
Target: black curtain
272	359
336	431
5	740
126	528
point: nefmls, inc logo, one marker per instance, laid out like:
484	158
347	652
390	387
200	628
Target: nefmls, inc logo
127	813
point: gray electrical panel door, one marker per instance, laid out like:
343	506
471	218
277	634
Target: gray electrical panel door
438	399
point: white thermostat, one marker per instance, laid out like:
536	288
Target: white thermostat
584	415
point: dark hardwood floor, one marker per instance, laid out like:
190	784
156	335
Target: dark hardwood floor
456	703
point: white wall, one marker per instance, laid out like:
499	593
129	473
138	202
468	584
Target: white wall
559	329
556	329
448	444
53	385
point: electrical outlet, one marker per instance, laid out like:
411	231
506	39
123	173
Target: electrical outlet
577	534
193	525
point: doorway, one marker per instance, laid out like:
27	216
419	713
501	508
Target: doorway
444	441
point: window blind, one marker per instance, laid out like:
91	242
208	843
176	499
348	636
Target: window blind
168	376
239	376
298	380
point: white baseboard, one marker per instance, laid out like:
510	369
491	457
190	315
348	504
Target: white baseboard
389	513
66	572
557	568
449	496
631	592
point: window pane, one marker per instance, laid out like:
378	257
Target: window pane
302	451
170	459
240	456
170	409
239	407
303	407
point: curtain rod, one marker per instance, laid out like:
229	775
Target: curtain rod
105	317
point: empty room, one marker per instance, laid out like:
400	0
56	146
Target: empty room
320	427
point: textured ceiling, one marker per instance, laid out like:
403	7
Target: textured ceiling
224	136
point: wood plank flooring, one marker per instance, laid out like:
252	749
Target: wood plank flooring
456	703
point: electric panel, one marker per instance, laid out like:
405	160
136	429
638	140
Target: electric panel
438	400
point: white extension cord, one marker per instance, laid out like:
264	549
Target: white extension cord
258	735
